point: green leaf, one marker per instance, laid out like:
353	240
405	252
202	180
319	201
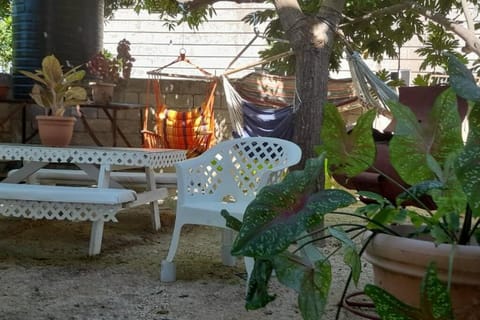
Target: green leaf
73	75
381	200
290	269
280	213
435	302
418	190
462	80
467	166
310	278
231	222
313	296
55	90
33	76
418	219
350	256
385	217
37	96
257	292
388	307
435	167
476	235
351	153
439	136
74	96
408	140
439	234
52	70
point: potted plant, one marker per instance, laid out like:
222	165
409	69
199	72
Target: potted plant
109	71
55	91
282	225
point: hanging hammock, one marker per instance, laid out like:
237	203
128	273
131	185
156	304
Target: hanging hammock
261	104
374	91
193	129
267	112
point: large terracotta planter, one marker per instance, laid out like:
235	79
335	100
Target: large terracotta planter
55	131
399	264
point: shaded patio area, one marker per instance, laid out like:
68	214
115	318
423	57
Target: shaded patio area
46	274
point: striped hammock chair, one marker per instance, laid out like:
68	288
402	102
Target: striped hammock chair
192	129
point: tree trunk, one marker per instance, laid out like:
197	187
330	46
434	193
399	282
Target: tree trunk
312	39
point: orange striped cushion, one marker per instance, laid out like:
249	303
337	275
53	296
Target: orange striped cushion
184	129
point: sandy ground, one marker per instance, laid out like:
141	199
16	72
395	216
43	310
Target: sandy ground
45	273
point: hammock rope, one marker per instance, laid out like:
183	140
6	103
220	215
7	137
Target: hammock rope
367	83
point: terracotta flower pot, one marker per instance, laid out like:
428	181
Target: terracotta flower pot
102	93
4	90
399	265
55	131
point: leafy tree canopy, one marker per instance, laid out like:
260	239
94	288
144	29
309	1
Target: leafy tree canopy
377	28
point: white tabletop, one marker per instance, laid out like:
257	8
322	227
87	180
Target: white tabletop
138	157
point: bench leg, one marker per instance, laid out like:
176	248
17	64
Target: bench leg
155	215
151	185
227	240
96	235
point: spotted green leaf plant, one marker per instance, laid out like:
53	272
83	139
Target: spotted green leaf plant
284	226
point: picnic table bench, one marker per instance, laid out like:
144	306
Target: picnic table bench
98	204
80	177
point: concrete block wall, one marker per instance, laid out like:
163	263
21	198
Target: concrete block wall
10	122
178	94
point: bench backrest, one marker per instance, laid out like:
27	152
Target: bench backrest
235	169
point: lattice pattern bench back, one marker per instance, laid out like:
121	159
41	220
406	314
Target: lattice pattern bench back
235	169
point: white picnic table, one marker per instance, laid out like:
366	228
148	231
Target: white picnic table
81	203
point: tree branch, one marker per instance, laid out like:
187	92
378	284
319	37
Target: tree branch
468	16
469	37
388	10
292	19
471	40
195	4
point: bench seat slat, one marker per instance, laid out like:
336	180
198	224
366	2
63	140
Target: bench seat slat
48	193
128	178
59	210
97	205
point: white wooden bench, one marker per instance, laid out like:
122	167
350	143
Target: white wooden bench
97	205
80	177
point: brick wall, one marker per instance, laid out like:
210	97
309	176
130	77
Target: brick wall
178	94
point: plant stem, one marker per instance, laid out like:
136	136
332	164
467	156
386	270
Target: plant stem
347	284
475	227
414	197
467	224
320	231
383	227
